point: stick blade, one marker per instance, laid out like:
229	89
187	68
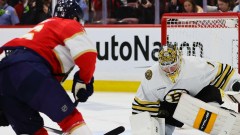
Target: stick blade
56	131
116	131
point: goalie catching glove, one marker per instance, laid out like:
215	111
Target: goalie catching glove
80	90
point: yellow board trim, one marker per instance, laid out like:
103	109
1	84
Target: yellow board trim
108	86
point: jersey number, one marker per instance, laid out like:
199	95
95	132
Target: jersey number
30	35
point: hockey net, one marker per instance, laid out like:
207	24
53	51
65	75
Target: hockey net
209	35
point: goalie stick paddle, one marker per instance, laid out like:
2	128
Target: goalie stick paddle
115	131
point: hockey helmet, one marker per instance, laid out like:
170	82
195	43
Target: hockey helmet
169	58
68	9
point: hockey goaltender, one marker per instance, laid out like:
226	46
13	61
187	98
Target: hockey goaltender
189	90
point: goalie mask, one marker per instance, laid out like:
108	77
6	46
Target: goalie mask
68	9
170	61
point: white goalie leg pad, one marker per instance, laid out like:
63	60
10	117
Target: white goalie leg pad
144	124
205	117
81	129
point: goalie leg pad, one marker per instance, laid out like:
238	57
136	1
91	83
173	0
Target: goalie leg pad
144	124
205	117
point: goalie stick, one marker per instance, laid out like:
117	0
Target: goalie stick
115	131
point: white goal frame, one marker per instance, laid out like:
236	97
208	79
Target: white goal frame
228	23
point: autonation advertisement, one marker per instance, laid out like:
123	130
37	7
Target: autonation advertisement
124	53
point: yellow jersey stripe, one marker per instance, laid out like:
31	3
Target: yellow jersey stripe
228	78
141	102
220	68
222	76
141	108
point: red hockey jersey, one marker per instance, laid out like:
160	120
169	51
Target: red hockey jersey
63	43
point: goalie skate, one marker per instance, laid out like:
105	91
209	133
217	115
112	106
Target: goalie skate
206	118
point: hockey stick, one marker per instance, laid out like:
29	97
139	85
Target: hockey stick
115	131
53	130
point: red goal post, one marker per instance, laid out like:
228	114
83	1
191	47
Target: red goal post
211	35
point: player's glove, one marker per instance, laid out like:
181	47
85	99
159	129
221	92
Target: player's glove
80	90
3	119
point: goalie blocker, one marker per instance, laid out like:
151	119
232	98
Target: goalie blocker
206	118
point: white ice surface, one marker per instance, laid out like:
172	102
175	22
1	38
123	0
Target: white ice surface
104	112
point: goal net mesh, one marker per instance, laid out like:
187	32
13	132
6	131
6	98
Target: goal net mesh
208	35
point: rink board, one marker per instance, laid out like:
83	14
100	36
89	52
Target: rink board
126	51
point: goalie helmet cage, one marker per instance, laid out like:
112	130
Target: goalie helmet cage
209	35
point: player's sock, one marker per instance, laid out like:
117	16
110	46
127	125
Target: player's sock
41	131
74	124
79	129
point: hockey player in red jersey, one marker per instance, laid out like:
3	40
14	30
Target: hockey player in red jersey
34	67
